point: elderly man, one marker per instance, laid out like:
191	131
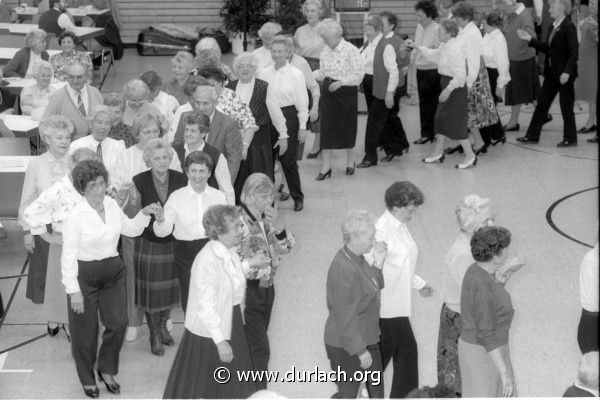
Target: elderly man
224	132
266	33
75	100
56	20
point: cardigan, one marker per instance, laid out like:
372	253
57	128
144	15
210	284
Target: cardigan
17	67
61	103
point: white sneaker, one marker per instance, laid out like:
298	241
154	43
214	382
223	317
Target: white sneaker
131	333
170	325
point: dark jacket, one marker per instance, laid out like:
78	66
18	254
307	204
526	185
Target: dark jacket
112	35
17	67
562	51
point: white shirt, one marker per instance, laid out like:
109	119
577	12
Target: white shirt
111	151
65	22
175	123
221	174
368	54
458	260
399	267
84	97
33	59
131	162
588	280
495	55
304	67
245	90
289	88
451	61
87	238
263	56
391	66
217	283
473	42
167	105
426	37
184	211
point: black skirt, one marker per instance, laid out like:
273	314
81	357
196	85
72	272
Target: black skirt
38	265
524	85
259	159
192	375
587	331
451	116
339	116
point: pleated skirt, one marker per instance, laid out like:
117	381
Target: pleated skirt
156	283
524	85
55	303
451	116
339	116
192	375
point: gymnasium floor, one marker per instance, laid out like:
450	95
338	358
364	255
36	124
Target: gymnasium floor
546	196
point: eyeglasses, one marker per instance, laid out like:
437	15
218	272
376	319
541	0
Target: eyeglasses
245	66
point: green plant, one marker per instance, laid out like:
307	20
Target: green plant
289	14
257	13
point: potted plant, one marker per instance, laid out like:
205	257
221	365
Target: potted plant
257	13
289	14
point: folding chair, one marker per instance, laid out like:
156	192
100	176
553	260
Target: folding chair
105	53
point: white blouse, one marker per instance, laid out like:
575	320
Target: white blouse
451	60
458	260
368	54
87	237
131	162
471	38
588	280
495	55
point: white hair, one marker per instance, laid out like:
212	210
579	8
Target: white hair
55	124
200	90
209	43
329	28
245	56
357	222
42	66
269	29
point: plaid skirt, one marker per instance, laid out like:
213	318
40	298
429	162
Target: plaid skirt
481	105
447	352
156	284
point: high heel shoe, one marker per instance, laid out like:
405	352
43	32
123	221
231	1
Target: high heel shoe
322	177
439	159
470	164
587	130
514	128
501	140
114	388
350	170
92	392
424	140
452	150
311	156
52	331
481	150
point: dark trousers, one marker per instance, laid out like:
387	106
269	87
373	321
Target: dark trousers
550	88
102	284
428	84
185	253
495	131
587	331
289	160
367	88
398	344
257	315
348	388
393	137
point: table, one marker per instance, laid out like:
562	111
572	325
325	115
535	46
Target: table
12	175
21	125
16	85
7	53
82	33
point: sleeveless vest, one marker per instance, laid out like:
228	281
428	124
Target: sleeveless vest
208	149
380	74
49	22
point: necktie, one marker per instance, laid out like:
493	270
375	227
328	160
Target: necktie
554	30
99	150
80	105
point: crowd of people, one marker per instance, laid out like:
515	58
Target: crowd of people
164	194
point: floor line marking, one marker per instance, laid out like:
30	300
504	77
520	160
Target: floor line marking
3	360
556	228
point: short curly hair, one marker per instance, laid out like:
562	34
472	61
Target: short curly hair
428	7
488	242
199	157
216	219
70	34
494	18
200	119
86	171
464	10
142	121
402	194
450	25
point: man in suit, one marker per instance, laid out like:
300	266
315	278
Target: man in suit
560	71
224	132
76	100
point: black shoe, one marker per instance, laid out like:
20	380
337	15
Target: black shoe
52	331
283	196
92	392
547	119
313	155
299	204
321	176
501	140
481	150
424	140
587	130
166	337
366	164
593	140
114	388
156	343
452	150
350	170
525	139
514	128
566	143
389	157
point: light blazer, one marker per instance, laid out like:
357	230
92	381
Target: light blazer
18	65
62	103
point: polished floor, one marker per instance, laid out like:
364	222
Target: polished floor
546	196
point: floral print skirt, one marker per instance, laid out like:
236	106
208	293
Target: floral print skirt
482	108
447	352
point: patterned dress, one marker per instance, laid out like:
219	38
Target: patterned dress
123	132
61	61
481	105
230	104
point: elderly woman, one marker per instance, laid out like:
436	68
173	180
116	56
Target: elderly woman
166	103
266	33
263	241
397	339
68	41
353	293
119	131
183	212
52	207
182	65
341	69
156	286
93	275
586	87
214	331
487	313
260	98
35	97
524	85
309	45
21	65
136	94
372	29
212	55
42	172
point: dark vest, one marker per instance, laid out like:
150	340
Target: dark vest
49	22
380	74
208	149
145	186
